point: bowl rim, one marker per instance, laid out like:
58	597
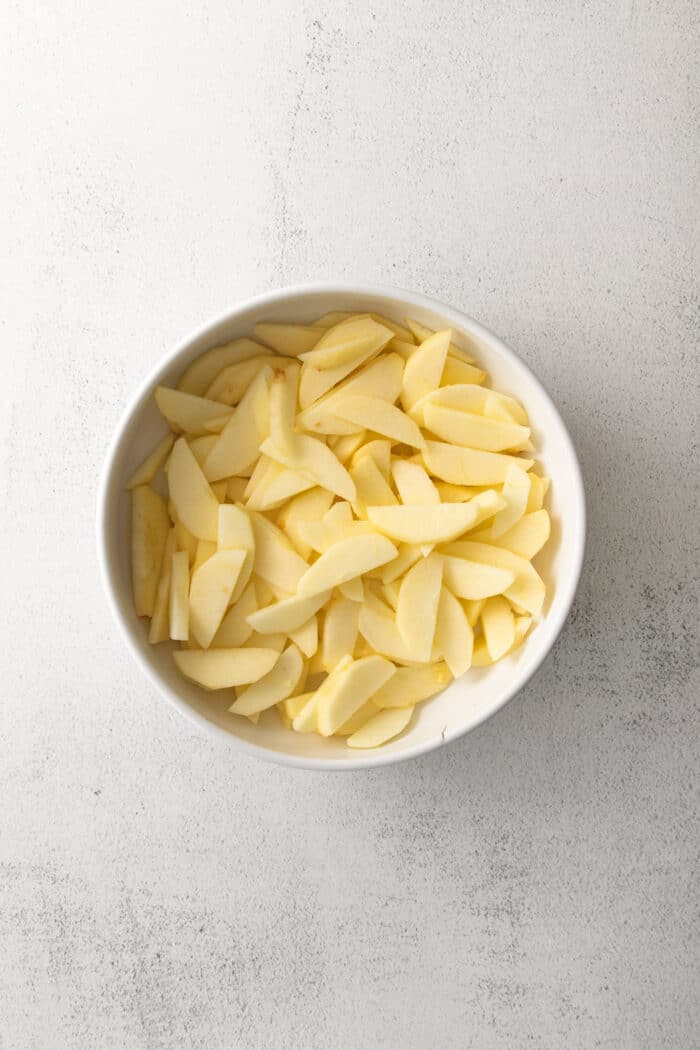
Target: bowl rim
374	758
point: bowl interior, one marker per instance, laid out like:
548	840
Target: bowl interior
467	701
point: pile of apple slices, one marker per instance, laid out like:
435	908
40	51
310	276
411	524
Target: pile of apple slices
350	521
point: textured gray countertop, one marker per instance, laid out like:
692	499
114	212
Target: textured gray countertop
531	885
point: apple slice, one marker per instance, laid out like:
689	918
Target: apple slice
279	683
471	430
413	484
380	416
347	342
179	597
145	473
423	369
358	719
538	490
198	376
187	411
457	372
378	627
283	406
312	458
382	727
276	485
314	382
379	449
344	446
159	627
442	523
347	688
150	526
470	397
288	615
236	533
380	378
408	555
322	535
224	668
470	579
275	559
467	466
416	613
309	506
526	538
339	633
410	685
371	488
288	339
235	629
453	635
211	590
421	333
527	589
345	560
238	445
498	624
515	491
230	386
306	637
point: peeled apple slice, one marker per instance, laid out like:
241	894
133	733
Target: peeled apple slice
287	615
471	430
414	486
381	378
230	385
382	727
314	459
196	505
440	524
283	403
339	633
197	378
150	525
378	627
187	411
470	397
410	685
527	589
467	466
210	593
347	688
145	473
275	560
515	491
470	579
380	416
416	613
525	539
347	342
498	625
238	446
423	369
159	627
344	561
235	629
309	506
279	683
421	332
236	533
224	668
453	634
288	339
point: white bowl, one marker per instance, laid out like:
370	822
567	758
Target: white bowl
467	701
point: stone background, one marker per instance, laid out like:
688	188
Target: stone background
532	163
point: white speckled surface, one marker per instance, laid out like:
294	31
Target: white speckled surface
530	886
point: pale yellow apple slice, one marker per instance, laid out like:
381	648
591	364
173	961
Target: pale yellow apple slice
471	430
353	589
185	541
150	526
457	371
275	559
306	720
382	727
187	411
145	473
236	533
538	490
408	555
159	629
283	404
238	445
309	506
235	629
421	332
450	493
339	633
410	685
390	593
371	487
515	491
377	626
473	607
179	597
358	719
347	342
470	397
201	447
345	560
314	382
380	378
423	370
347	688
288	615
413	484
216	425
322	535
527	537
312	458
306	637
266	641
467	466
198	376
273	485
345	445
279	683
380	416
205	550
230	385
334	317
416	612
288	339
470	579
527	589
404	334
224	668
378	449
453	635
498	625
442	523
292	706
211	590
482	657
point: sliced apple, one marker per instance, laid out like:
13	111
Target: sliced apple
205	550
380	378
353	590
236	533
230	386
515	491
414	486
498	624
410	685
211	591
471	430
380	416
466	466
527	537
377	625
314	382
408	555
538	490
150	526
346	342
382	727
198	377
358	719
279	683
187	411
423	369
339	633
238	445
309	506
421	333
283	405
345	445
470	579
312	458
275	559
159	629
416	613
442	523
371	487
306	637
287	615
347	688
527	589
179	596
288	339
345	560
454	636
457	371
145	473
235	629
